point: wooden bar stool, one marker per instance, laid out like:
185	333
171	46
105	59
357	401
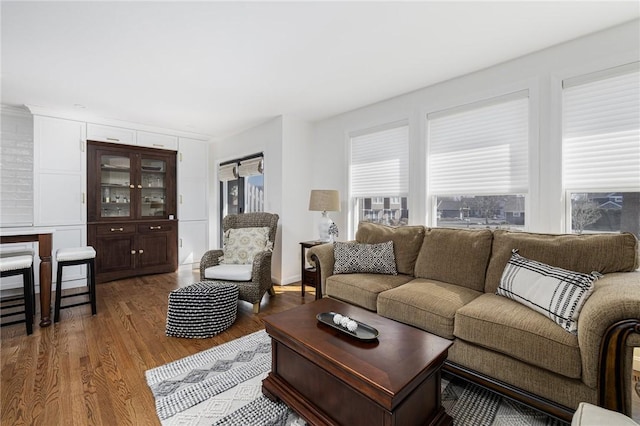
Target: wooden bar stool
20	265
70	257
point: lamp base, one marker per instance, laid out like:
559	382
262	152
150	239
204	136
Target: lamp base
323	227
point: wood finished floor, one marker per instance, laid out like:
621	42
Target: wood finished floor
89	370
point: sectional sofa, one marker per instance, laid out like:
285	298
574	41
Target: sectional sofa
446	284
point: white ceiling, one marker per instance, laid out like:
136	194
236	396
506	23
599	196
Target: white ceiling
220	67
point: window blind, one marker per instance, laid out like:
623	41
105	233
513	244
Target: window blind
480	148
601	130
228	172
380	163
251	167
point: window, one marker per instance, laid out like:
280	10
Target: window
601	150
379	176
478	163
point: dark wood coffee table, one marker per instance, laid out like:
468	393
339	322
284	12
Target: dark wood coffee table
330	378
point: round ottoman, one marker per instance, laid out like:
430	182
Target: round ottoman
202	309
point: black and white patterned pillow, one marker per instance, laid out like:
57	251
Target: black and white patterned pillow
554	292
354	258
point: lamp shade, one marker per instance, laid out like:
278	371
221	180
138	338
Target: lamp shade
324	200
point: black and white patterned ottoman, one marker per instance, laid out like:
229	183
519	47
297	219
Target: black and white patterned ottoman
202	309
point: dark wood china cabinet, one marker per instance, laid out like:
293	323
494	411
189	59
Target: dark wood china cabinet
131	211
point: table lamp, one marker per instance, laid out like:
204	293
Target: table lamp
324	200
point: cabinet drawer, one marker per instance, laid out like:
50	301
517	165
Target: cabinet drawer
97	132
157	140
156	227
115	229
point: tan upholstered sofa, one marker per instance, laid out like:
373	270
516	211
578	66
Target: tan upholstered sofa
446	284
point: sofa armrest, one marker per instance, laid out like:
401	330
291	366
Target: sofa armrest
608	317
322	257
210	258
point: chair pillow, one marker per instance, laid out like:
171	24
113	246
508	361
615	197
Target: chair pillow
242	244
229	272
554	292
354	258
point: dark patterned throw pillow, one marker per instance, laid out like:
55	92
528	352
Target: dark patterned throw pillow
354	258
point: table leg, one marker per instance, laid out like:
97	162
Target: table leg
44	251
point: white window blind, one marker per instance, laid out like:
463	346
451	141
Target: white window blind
228	172
480	148
601	130
380	163
251	167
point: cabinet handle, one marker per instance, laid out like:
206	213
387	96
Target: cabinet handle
133	252
180	198
132	186
180	243
83	199
158	144
113	139
117	229
180	157
155	227
140	186
140	251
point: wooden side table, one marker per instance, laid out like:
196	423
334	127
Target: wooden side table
308	274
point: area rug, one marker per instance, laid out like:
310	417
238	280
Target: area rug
223	386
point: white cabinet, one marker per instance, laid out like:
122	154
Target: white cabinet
157	140
101	133
193	179
193	214
192	241
60	163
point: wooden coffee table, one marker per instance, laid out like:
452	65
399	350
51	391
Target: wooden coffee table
330	378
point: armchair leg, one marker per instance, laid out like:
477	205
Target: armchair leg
272	291
256	308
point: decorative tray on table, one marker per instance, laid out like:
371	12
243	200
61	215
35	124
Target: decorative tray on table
351	327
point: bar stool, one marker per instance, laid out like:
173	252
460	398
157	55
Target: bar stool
20	265
76	256
11	251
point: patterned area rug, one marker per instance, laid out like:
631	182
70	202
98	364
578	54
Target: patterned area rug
223	386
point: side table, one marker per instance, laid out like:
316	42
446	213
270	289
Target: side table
308	274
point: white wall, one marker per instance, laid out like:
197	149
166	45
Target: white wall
285	142
541	73
297	220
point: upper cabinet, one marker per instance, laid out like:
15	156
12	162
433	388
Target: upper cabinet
59	190
111	134
157	140
121	135
130	183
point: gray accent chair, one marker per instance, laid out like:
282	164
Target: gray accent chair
250	291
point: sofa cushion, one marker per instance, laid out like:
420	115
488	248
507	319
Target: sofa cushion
556	293
603	253
506	326
429	305
354	258
539	381
407	241
362	289
456	256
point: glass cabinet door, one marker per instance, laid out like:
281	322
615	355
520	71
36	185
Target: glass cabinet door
115	186
153	177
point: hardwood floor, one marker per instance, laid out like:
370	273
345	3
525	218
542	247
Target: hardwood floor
89	370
